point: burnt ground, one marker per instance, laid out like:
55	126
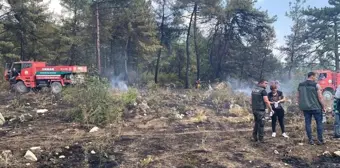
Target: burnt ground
151	138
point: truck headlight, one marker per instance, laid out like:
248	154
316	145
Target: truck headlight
329	81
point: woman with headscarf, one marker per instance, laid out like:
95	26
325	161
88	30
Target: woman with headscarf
276	99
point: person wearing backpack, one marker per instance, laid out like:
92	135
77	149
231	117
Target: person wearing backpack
336	113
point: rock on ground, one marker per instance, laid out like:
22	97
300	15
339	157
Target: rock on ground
337	153
94	129
2	120
30	156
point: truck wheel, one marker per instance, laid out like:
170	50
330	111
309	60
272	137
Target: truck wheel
21	87
36	90
56	87
327	94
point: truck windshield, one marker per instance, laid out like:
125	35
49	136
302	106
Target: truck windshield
17	66
322	76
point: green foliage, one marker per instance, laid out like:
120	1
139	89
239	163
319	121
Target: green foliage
96	103
73	33
29	31
134	31
323	32
250	39
237	40
145	78
169	79
129	98
164	80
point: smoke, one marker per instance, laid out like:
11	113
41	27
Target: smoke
288	87
117	82
240	86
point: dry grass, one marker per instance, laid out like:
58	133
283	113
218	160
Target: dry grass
146	161
202	139
239	115
200	117
6	158
244	119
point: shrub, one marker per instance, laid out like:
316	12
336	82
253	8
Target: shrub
220	97
145	78
163	80
95	103
169	78
224	97
129	98
151	85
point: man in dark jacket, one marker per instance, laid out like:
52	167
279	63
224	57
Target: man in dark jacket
311	103
259	102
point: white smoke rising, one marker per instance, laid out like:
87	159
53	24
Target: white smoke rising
288	87
239	86
119	83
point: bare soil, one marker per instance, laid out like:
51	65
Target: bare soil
152	138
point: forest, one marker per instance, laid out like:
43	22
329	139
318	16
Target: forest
160	48
176	41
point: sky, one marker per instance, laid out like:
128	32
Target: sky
279	7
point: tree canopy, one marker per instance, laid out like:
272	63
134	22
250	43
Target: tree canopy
176	41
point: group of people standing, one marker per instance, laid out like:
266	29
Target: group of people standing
310	101
261	100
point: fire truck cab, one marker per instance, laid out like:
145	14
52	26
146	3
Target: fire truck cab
328	80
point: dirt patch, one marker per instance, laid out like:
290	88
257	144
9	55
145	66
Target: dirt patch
163	135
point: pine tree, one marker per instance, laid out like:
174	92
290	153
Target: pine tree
74	29
134	27
323	32
29	23
296	49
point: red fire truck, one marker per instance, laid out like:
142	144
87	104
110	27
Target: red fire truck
26	75
328	80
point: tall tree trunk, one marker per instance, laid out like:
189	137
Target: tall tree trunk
110	61
72	55
262	65
212	45
195	41
105	59
224	51
188	52
126	57
290	72
336	45
161	42
291	65
179	65
74	34
262	68
22	54
218	59
242	71
98	38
